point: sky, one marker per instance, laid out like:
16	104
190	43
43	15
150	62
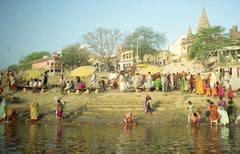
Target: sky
49	25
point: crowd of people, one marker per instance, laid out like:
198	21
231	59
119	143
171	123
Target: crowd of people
221	112
70	86
186	82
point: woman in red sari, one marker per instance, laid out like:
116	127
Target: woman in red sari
230	92
191	83
214	113
221	90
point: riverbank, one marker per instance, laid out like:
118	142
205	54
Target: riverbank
111	106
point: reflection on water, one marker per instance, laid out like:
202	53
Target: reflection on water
58	133
63	138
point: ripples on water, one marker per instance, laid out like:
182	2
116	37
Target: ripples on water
61	138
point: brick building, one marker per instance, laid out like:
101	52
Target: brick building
51	64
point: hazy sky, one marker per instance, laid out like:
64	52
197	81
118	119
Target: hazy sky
36	25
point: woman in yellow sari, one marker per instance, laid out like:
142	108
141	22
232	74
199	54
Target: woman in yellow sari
34	111
199	85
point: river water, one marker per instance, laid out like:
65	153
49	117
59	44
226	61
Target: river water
83	138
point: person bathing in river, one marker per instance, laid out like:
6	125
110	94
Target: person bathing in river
195	120
190	111
128	119
231	110
6	114
59	108
147	107
213	114
224	120
34	111
208	112
3	110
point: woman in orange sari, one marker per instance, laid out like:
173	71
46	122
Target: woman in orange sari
214	113
208	90
214	91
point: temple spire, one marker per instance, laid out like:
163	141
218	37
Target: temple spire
189	33
203	22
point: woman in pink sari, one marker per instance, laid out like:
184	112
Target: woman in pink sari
81	86
221	90
59	108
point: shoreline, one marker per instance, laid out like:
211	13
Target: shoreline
111	106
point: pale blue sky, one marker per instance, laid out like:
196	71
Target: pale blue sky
35	25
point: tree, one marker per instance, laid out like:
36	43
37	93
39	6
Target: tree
208	42
103	43
145	40
13	68
25	63
75	55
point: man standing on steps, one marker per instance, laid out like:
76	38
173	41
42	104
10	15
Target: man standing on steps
62	84
94	79
149	81
45	79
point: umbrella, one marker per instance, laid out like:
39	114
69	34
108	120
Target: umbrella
31	74
150	68
83	71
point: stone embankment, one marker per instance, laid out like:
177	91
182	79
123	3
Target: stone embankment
110	107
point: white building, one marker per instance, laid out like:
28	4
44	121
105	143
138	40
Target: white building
126	59
176	48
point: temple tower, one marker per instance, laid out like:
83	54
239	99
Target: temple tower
203	22
187	42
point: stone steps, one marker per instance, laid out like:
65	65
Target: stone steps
132	99
92	106
132	107
110	106
123	112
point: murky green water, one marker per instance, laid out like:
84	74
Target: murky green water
62	138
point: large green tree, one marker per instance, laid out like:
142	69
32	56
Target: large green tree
103	43
145	41
74	55
208	42
13	68
25	63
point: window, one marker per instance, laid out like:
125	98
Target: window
226	53
238	52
